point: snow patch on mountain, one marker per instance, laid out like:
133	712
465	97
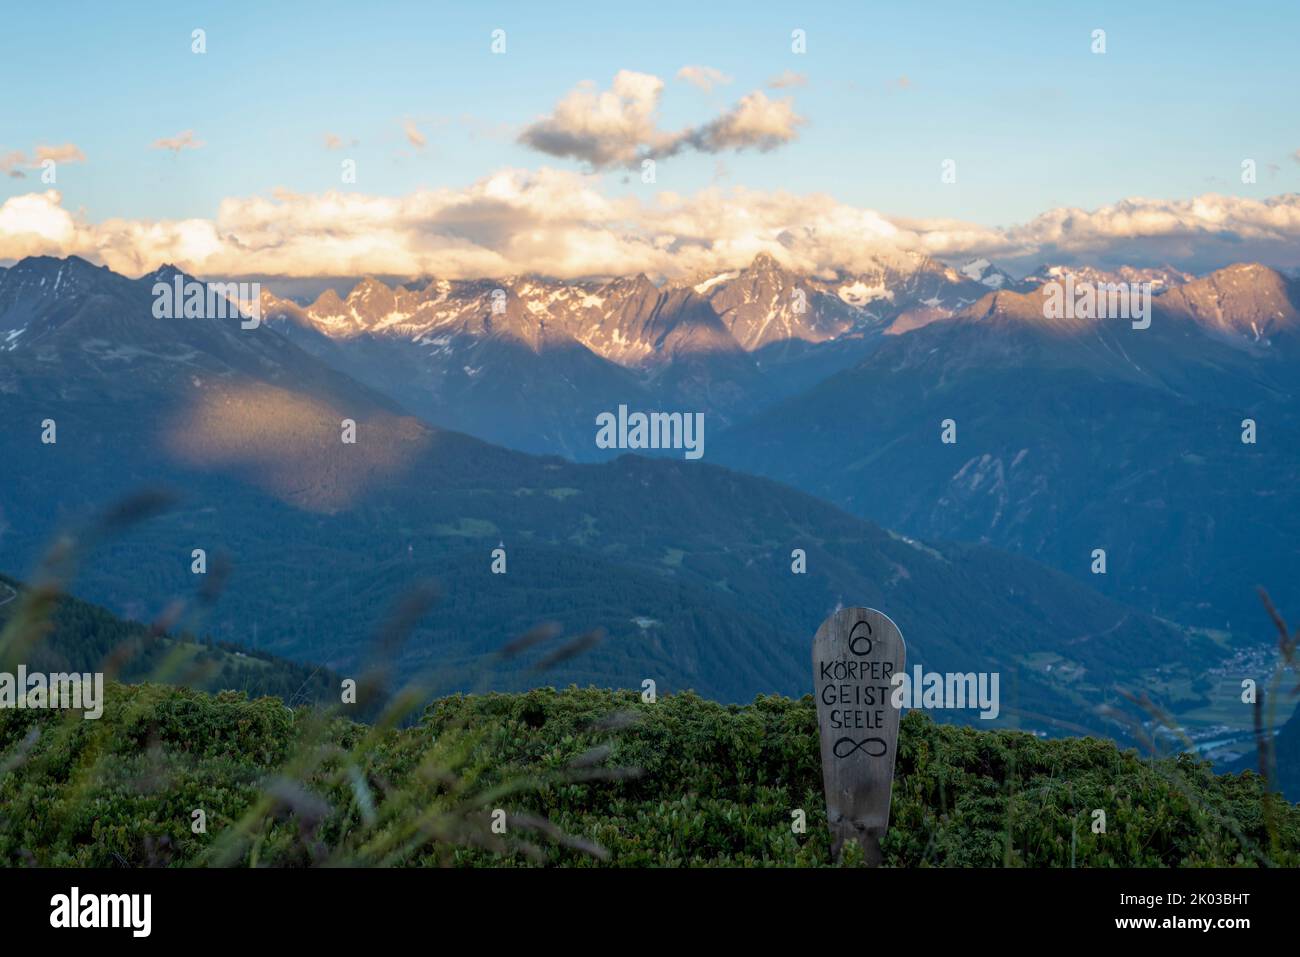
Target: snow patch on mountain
709	283
859	293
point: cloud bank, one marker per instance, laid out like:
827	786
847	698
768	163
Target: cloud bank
564	224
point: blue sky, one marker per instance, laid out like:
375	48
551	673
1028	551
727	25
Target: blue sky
1010	90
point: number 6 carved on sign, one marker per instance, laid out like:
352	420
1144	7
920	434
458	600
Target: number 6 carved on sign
855	643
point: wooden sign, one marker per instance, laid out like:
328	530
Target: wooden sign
856	653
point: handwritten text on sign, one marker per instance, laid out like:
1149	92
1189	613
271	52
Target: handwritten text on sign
856	653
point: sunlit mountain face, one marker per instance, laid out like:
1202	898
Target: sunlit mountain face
529	361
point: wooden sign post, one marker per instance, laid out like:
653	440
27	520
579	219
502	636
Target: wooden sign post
856	653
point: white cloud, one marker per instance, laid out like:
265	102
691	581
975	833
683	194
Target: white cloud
786	79
619	127
36	224
67	153
565	224
611	128
413	134
754	122
1204	231
184	140
703	77
13	162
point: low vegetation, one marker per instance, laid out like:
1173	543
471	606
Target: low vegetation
586	777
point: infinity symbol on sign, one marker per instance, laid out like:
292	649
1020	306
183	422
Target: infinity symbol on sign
840	750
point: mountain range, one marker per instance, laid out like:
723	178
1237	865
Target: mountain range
528	362
1073	435
1087	434
686	568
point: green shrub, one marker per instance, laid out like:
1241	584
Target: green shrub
587	777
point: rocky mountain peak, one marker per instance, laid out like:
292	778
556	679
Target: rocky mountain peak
1245	299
